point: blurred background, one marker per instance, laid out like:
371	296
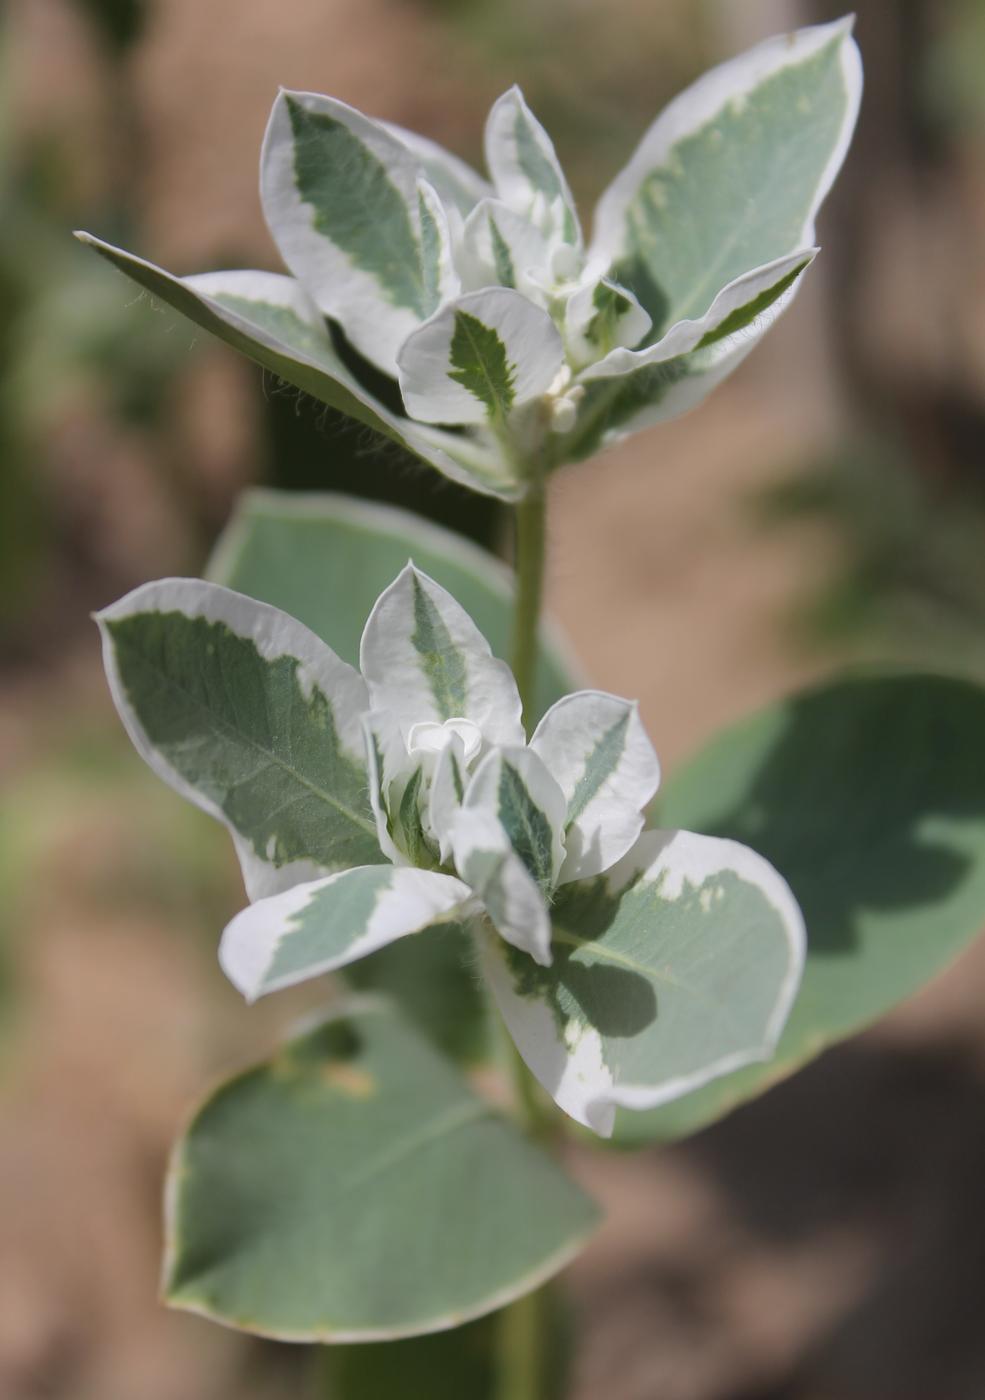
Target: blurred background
825	507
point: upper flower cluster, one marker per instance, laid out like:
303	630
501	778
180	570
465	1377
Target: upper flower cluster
629	965
517	345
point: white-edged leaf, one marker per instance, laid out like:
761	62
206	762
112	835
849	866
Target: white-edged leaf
515	786
526	171
423	658
317	927
595	746
602	316
731	174
271	319
678	965
341	195
500	248
448	784
478	358
487	862
385	754
739	310
249	715
458	185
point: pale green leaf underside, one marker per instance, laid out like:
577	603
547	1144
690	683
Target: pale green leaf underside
736	193
356	1189
869	796
240	730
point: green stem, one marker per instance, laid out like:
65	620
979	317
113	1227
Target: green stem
523	1331
523	1327
531	522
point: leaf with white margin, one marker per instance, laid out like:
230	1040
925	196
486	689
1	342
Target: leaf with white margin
525	168
342	199
447	793
614	408
354	1188
423	658
318	927
601	316
731	174
738	308
251	717
486	861
595	745
516	787
478	358
500	247
270	319
458	185
678	965
382	756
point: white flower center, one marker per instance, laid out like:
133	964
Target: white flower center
431	737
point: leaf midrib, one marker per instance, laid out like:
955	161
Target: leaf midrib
272	757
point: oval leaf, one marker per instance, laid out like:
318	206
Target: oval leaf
869	795
355	1189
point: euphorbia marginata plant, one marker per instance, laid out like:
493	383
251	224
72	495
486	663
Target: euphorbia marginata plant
440	825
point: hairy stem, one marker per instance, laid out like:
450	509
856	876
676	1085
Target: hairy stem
531	520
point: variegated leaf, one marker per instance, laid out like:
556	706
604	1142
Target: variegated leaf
731	175
602	316
424	659
500	247
516	787
317	927
487	862
526	171
344	202
739	310
595	745
478	358
678	965
250	716
270	319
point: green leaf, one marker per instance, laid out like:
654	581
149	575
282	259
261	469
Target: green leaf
304	553
251	717
355	1189
357	205
479	364
868	795
732	173
675	966
269	319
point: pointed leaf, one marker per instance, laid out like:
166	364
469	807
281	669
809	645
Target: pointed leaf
324	925
516	787
487	862
525	168
869	794
270	319
741	308
478	358
423	658
250	716
500	247
341	196
596	747
678	965
602	316
355	1189
732	173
